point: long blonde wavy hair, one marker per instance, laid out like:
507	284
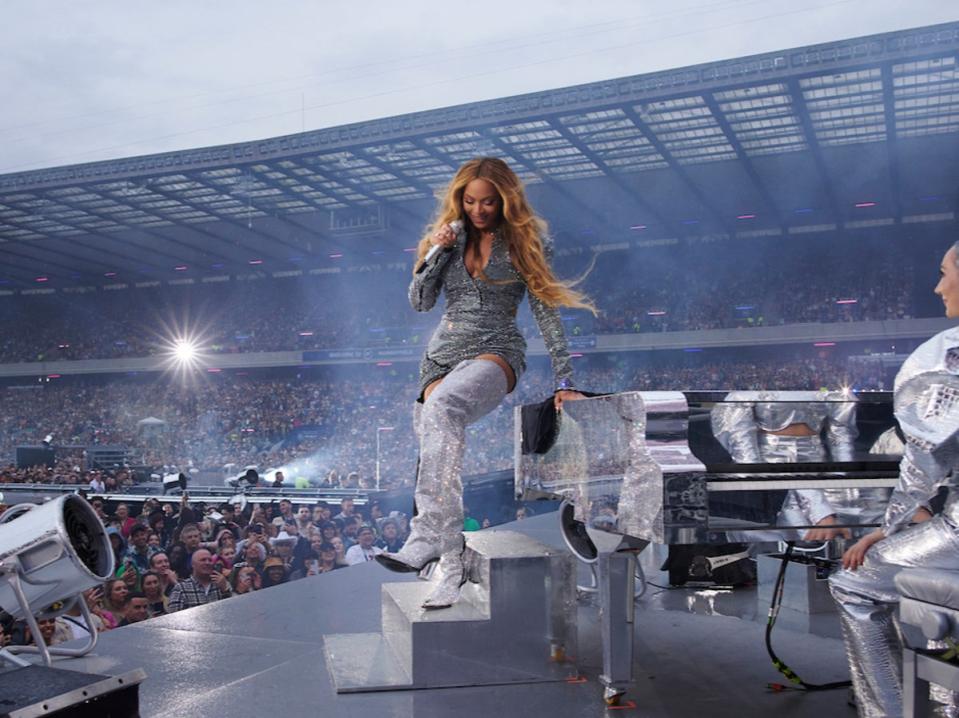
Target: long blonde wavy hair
520	227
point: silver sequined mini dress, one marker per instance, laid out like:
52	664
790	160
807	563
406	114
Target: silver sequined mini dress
480	316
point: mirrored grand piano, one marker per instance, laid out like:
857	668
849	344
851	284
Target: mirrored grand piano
705	467
700	467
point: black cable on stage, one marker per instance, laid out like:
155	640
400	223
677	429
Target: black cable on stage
771	621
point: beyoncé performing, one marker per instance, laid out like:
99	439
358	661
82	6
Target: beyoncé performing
621	393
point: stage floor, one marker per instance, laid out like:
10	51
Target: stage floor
697	653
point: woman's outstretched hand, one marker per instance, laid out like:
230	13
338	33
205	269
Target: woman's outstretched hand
565	395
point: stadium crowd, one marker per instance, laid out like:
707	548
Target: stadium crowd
689	287
168	560
321	425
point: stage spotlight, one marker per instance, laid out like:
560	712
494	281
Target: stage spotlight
175	481
184	351
49	555
183	354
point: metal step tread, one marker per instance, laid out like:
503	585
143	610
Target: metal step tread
364	662
505	544
409	597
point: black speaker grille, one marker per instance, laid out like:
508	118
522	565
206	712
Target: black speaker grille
84	531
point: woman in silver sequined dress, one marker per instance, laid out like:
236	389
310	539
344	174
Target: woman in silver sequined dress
484	251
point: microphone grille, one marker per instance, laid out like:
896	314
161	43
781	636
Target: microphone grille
457	225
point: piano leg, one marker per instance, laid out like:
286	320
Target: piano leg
617	579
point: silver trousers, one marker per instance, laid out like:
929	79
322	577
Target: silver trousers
468	393
867	600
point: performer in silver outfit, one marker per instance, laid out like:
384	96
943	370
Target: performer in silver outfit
484	251
926	399
754	428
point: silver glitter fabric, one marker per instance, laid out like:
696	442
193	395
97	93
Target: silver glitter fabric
931	451
867	597
743	421
743	416
480	316
472	390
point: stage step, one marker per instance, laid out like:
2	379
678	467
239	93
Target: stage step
514	623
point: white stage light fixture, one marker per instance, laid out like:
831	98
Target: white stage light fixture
49	555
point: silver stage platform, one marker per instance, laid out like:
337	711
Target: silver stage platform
697	653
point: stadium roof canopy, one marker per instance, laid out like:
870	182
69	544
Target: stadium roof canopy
856	133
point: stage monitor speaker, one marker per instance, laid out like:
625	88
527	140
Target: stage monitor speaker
28	456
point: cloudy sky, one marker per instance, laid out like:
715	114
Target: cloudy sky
86	80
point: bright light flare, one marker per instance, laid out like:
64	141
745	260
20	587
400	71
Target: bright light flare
184	355
184	351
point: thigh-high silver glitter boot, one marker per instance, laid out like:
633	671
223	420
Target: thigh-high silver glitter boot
472	390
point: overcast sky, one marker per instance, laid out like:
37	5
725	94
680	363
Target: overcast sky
86	80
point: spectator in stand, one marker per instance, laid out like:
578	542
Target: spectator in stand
275	572
75	620
245	579
136	609
321	513
190	539
229	519
328	560
160	564
179	561
390	539
254	554
128	573
114	600
337	544
346	509
351	525
283	548
139	552
328	530
153	590
117	543
96	484
156	520
127	522
304	520
203	586
364	549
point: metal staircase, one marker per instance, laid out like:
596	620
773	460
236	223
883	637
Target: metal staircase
514	623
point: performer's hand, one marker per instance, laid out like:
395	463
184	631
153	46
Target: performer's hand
827	532
922	514
444	237
565	395
854	556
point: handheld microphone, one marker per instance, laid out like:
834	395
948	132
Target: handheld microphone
457	226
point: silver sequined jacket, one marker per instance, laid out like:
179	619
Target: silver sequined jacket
480	316
927	407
